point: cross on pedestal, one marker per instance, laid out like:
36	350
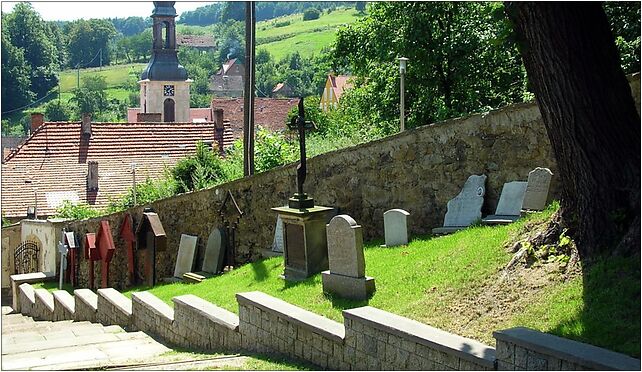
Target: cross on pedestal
62	249
300	200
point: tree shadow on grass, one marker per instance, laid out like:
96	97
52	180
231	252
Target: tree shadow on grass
260	271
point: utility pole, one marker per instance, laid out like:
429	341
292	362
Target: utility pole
402	109
101	60
78	76
248	101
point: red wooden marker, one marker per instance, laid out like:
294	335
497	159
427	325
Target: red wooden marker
91	254
127	234
106	250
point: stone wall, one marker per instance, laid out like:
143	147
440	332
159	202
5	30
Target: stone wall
368	339
10	241
85	305
418	170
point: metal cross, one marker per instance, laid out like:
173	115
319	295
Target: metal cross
299	123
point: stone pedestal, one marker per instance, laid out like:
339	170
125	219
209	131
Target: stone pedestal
305	250
347	286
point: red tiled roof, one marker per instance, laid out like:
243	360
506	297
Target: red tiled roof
270	113
52	163
194	113
339	84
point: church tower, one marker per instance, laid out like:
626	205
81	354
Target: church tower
164	86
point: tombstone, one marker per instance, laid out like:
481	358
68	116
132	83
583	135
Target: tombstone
186	255
395	227
539	181
465	208
150	238
278	243
214	252
510	204
230	214
346	276
106	248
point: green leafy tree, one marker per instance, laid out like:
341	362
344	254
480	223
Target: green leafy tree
86	39
460	60
624	18
57	110
15	76
311	13
272	150
28	32
233	10
360	6
91	96
146	192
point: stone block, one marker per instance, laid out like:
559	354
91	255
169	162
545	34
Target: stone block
409	346
521	357
505	351
347	286
536	363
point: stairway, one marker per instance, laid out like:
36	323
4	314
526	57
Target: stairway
45	345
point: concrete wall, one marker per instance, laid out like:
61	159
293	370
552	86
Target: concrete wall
418	170
11	239
48	233
368	339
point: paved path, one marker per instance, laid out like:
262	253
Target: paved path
29	344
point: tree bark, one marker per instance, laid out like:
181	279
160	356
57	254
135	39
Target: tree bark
574	70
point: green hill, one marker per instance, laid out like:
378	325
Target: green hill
117	76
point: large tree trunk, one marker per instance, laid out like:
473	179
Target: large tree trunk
574	70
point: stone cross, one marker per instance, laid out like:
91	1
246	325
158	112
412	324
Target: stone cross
299	123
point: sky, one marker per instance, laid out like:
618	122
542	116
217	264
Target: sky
71	10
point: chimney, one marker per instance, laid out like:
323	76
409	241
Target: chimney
92	176
218	117
219	130
86	124
37	119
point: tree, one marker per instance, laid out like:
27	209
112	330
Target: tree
233	10
310	14
57	111
591	119
459	60
624	18
86	40
91	97
27	31
15	76
360	6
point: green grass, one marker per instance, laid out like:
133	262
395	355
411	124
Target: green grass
116	75
306	44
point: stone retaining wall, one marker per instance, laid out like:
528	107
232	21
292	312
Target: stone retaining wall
369	338
43	308
27	299
64	306
85	305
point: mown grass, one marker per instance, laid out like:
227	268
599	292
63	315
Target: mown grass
116	76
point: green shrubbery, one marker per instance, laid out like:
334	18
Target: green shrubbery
79	211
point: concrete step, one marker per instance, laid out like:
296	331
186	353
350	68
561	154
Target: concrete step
46	326
136	345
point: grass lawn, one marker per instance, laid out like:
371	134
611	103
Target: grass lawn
306	44
116	75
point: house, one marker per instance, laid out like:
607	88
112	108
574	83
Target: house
91	162
269	113
334	88
229	80
282	90
200	42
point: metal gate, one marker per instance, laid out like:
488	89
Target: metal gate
25	258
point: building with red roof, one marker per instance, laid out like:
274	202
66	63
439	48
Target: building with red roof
334	88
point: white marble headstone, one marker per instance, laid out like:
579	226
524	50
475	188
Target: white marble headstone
465	208
539	181
345	247
214	252
278	243
395	227
186	255
511	198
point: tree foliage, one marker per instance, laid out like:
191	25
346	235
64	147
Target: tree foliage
311	13
624	18
460	60
86	39
15	76
198	171
79	211
91	97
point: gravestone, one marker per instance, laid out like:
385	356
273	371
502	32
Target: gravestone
465	208
510	204
214	252
186	255
346	276
278	243
539	181
395	226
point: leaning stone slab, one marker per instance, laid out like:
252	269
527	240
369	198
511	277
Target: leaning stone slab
465	208
539	182
395	226
586	357
510	203
64	306
186	255
214	252
85	305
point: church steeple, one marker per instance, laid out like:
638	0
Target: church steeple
164	86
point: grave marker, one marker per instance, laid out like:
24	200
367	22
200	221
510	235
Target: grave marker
278	243
465	208
510	204
214	252
186	255
346	277
539	182
395	226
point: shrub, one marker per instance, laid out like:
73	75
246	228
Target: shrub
78	211
310	14
57	111
196	172
282	24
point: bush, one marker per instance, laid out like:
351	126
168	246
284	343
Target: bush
272	150
78	211
310	14
282	24
200	171
57	111
146	192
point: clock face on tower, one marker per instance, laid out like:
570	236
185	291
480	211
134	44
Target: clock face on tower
168	90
